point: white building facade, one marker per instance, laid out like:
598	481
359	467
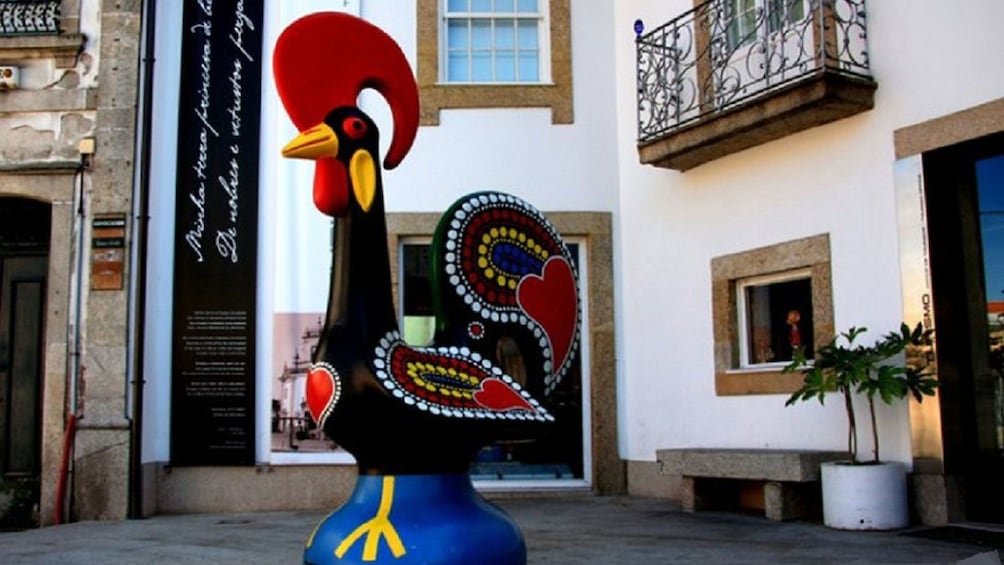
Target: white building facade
704	204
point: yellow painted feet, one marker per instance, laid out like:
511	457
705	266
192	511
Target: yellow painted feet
376	528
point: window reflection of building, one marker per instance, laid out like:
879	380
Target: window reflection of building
293	426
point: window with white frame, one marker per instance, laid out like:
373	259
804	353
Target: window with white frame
775	317
494	41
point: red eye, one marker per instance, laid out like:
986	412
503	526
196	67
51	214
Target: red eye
355	128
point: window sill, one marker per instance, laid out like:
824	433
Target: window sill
63	49
738	382
442	96
448	84
79	99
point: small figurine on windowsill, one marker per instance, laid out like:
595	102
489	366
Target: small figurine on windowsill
794	335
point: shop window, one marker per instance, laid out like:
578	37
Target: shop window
556	456
775	318
765	302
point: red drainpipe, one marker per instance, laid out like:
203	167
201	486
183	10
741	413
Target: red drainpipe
64	468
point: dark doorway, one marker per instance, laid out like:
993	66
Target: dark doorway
24	247
965	198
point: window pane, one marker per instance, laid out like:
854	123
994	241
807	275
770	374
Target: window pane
457	64
503	5
796	11
741	21
527	34
481	5
481	66
419	320
529	68
481	34
505	66
527	5
457	5
778	320
505	34
456	34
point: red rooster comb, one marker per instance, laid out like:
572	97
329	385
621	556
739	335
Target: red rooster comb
324	60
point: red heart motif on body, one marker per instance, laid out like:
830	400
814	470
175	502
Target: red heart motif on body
323	391
497	396
552	301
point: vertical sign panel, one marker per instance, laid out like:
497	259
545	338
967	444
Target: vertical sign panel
212	399
918	298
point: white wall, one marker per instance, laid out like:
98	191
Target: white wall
835	179
555	167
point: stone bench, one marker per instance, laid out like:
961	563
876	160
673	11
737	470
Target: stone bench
712	478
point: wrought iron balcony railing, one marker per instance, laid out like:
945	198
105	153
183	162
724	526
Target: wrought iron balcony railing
723	53
29	17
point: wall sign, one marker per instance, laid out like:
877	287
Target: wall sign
108	252
215	259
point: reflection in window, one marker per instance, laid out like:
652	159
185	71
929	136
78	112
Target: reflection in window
418	319
775	317
743	17
990	186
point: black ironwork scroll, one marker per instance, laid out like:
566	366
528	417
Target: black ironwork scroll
717	56
29	17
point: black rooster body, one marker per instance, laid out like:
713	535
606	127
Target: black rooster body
403	409
414	417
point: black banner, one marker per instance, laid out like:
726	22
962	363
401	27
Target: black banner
215	257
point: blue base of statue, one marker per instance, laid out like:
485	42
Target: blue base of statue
405	519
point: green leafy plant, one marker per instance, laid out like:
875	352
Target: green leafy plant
847	368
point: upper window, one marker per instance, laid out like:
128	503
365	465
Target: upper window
493	41
494	54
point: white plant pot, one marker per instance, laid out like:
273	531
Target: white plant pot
864	497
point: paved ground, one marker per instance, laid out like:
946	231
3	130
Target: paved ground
599	530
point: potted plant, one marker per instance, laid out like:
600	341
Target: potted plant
868	494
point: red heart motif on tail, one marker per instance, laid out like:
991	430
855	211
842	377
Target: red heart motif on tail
552	301
323	391
497	396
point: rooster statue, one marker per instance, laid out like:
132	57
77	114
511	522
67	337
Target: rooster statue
414	417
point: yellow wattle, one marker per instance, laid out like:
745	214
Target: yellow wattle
362	171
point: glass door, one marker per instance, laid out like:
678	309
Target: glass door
964	186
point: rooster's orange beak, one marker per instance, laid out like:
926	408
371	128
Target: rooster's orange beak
314	143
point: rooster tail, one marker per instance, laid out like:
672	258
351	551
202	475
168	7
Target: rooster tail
505	285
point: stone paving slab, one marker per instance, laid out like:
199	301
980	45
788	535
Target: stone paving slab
602	530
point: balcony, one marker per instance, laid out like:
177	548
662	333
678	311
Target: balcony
29	17
732	74
31	29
